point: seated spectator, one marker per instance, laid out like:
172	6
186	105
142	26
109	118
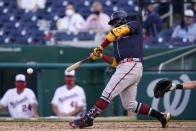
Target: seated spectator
187	28
72	22
98	21
32	5
21	101
153	23
69	99
193	7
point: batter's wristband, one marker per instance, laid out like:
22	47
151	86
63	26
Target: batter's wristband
106	58
105	43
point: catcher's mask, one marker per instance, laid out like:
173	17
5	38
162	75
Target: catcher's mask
121	16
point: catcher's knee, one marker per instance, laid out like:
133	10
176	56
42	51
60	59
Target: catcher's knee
131	106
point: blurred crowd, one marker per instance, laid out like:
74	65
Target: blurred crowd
46	21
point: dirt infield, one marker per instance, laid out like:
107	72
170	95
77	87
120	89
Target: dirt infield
98	126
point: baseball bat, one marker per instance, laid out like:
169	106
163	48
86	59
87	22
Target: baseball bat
77	64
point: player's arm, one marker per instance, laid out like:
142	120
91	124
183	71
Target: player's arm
184	86
34	106
5	100
189	85
1	107
111	36
111	61
55	110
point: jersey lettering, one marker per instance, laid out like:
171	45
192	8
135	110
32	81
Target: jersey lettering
73	104
16	103
62	99
24	108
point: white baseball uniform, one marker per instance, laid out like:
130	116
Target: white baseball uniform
68	100
19	105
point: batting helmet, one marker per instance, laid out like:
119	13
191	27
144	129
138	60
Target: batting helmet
121	15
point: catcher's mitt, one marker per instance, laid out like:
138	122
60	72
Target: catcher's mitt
161	87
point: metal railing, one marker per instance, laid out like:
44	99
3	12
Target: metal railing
169	14
176	58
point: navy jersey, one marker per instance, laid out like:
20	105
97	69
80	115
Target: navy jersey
153	24
130	45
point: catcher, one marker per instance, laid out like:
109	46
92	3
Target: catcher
166	85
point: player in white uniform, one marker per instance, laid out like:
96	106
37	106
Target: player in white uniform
21	101
69	99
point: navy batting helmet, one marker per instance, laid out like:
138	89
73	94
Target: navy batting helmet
122	15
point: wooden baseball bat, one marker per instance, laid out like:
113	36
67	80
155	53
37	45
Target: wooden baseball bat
77	64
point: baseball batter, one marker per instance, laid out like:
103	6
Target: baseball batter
128	49
21	101
69	99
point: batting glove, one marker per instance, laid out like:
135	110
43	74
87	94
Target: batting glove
94	57
98	50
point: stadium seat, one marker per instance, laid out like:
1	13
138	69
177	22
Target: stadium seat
28	17
31	26
63	36
8	27
4	18
2	36
175	41
166	33
37	37
18	37
53	25
42	14
156	42
18	13
86	36
1	40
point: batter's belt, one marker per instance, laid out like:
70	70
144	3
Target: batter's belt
130	59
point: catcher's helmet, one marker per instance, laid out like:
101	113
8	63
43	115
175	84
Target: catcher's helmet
122	15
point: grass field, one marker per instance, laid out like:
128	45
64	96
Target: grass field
99	125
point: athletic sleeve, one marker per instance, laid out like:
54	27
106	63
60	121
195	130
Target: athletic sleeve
32	97
82	98
55	98
134	26
118	32
176	30
5	99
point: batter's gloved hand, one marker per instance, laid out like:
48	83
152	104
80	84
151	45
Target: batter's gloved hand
162	87
98	50
97	56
